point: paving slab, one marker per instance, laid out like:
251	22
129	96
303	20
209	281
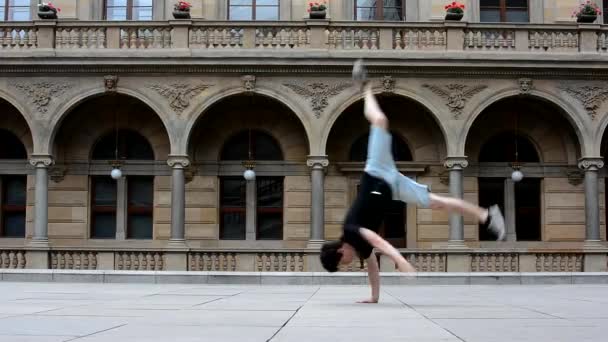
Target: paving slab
91	312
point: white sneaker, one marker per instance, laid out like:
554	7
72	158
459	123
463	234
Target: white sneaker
496	222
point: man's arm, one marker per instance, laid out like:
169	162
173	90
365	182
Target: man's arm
387	249
374	278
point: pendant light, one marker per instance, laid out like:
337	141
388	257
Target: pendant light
116	173
249	174
516	175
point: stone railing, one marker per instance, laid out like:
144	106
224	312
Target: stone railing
304	260
199	35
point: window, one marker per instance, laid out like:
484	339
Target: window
400	150
140	207
269	208
14	10
253	10
232	208
604	12
504	11
103	207
129	144
502	147
261	145
128	9
389	10
12	206
17	150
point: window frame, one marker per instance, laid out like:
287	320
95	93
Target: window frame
231	209
129	10
7	7
11	208
379	11
254	10
138	210
502	8
101	208
270	210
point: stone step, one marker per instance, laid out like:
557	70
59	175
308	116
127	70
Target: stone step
300	278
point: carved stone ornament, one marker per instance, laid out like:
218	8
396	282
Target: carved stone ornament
592	164
178	162
313	162
189	173
110	83
525	85
456	162
41	161
591	97
388	84
575	177
179	94
57	174
42	93
456	95
318	93
248	82
444	178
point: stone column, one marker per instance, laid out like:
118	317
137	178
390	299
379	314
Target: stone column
38	255
510	210
455	165
178	199
317	207
592	207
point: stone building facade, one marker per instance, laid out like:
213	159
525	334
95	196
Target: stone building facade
184	107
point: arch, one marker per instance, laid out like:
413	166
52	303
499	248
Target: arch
569	111
67	108
263	146
353	99
401	150
225	93
24	133
16	148
601	139
501	148
130	145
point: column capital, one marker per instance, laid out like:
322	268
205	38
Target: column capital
178	162
317	162
456	162
41	160
591	164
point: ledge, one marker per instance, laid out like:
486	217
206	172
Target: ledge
300	278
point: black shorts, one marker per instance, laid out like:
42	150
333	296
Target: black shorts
373	199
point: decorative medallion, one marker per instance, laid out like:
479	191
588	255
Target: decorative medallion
318	93
388	84
525	85
591	97
248	82
456	94
179	94
110	83
42	93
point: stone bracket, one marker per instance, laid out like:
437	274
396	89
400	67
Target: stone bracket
456	162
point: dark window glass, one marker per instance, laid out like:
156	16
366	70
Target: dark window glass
140	207
527	209
400	150
504	11
232	208
605	20
10	146
491	192
103	208
390	10
131	145
253	10
269	208
128	10
12	205
502	147
262	145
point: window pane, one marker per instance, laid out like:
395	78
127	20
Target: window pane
116	3
270	192
517	3
140	227
104	226
263	147
266	148
517	16
233	192
17	150
142	13
366	3
233	226
267	13
490	15
2	13
142	3
267	3
394	222
393	13
489	3
270	226
240	13
131	145
19	13
104	189
14	190
366	13
117	13
141	191
14	224
241	2
25	3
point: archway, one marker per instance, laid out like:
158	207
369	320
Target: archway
531	134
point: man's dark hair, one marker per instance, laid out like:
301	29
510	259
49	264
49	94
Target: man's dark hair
330	257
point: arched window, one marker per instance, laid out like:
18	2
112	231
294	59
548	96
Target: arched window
400	150
261	145
136	191
12	189
502	147
525	194
130	145
268	189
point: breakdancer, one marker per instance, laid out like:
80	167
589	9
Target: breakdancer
382	183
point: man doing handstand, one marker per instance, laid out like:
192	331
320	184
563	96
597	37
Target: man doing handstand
382	183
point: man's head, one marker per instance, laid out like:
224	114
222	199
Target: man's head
335	253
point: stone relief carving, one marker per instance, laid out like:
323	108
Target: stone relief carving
318	93
110	83
317	161
57	174
525	85
41	161
42	93
575	177
388	84
591	163
179	94
456	95
456	162
591	97
249	82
